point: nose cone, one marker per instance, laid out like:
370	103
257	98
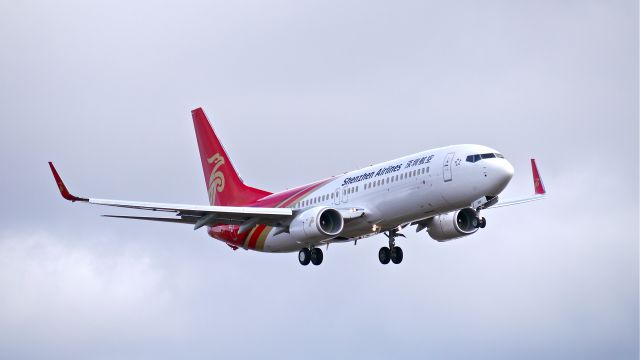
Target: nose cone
500	175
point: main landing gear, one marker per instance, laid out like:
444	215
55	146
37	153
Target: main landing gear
392	253
313	255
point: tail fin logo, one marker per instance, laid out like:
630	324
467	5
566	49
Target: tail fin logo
216	179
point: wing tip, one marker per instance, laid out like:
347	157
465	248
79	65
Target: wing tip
538	184
62	187
199	111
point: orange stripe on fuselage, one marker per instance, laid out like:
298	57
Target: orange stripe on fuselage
263	237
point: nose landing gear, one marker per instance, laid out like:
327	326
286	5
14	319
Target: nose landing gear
479	222
392	253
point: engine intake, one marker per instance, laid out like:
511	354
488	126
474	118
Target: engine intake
316	224
453	225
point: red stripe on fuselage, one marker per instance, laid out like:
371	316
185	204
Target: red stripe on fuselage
255	236
277	200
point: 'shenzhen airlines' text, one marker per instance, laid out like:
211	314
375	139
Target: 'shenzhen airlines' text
387	170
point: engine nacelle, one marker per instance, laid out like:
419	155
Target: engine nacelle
316	224
453	225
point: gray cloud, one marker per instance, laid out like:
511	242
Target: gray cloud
300	91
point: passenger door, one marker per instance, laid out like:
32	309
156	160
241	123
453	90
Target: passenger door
446	168
345	194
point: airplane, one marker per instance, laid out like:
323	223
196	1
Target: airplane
442	191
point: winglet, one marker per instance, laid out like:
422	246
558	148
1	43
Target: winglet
537	179
63	189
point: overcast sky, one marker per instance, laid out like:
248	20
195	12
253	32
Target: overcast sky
301	90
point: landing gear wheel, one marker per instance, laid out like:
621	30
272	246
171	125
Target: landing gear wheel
483	223
304	256
396	255
316	256
384	255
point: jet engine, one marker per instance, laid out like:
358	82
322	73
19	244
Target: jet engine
316	224
453	225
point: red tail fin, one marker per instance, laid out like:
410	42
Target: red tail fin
223	183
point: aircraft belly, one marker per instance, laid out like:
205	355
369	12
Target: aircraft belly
283	242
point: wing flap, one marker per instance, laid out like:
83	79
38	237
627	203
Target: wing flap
232	211
171	220
199	215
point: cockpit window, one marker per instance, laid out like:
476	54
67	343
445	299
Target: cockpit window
473	158
478	157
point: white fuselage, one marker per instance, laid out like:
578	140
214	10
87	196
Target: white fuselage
404	190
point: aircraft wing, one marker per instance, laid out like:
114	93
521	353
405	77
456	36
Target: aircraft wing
197	215
540	191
